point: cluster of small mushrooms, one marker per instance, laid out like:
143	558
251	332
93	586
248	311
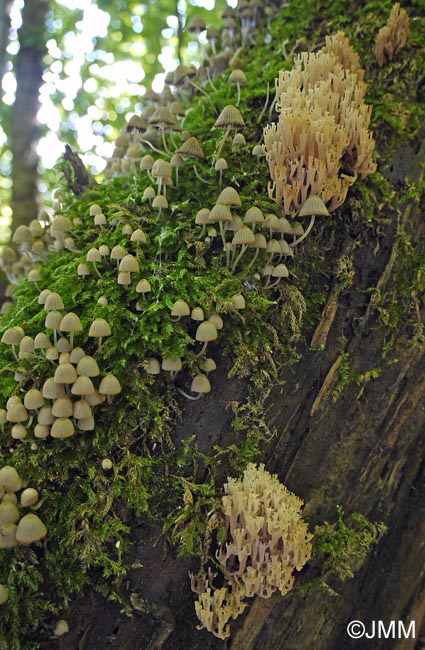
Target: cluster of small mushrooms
66	398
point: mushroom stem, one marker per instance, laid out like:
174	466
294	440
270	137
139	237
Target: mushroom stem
96	270
272	105
152	147
164	142
274	284
226	133
239	94
189	396
257	250
304	235
263	110
203	180
242	251
202	350
223	236
14	353
201	90
210	80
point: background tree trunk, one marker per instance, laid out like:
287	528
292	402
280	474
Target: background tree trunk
5	6
24	128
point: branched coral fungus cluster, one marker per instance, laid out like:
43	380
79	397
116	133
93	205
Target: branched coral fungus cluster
393	36
266	541
321	142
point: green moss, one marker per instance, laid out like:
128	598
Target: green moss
342	547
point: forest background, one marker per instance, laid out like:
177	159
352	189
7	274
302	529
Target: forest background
72	71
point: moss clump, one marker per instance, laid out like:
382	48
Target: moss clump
342	547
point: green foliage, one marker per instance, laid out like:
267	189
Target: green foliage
342	547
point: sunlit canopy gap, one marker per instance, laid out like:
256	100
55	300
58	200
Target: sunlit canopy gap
86	86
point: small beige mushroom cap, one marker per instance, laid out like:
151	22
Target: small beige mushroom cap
109	385
238	301
95	399
100	328
8	536
61	627
62	407
229	196
9	513
180	308
243	236
82	386
62	428
280	271
200	384
33	399
19	432
209	365
65	373
70	323
76	355
93	255
30	529
13	336
86	424
229	116
88	366
107	464
83	269
53	302
9	496
143	286
197	314
217	321
45	416
29	497
172	364
52	390
41	431
314	205
152	366
138	236
17	413
42	341
53	320
82	410
129	264
237	76
206	332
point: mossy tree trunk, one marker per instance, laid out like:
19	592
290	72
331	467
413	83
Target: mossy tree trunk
24	127
349	420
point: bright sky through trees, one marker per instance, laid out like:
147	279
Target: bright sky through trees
121	80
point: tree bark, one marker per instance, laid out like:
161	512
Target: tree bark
24	128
